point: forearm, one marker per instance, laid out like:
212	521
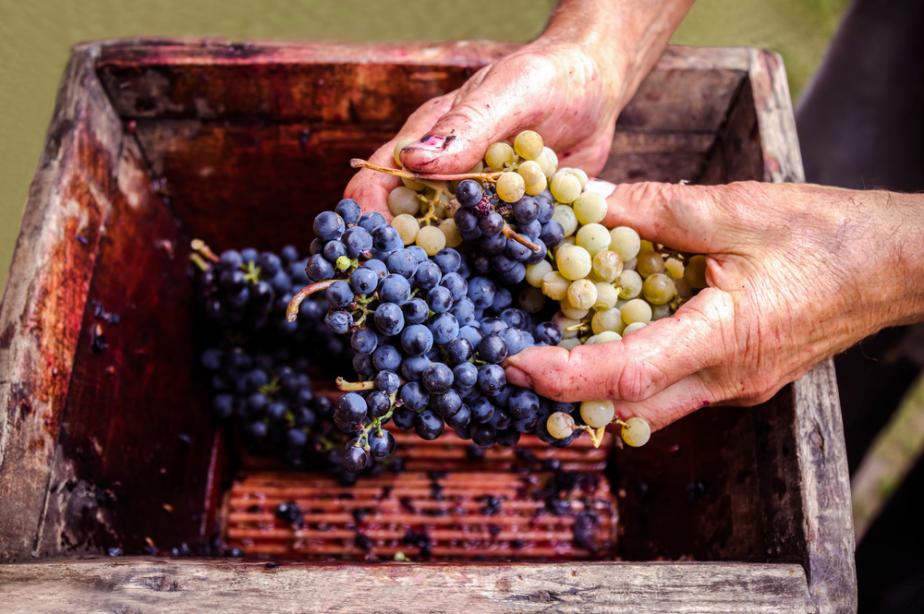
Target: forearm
627	36
901	258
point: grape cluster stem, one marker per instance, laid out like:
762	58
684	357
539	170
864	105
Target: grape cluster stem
406	174
301	295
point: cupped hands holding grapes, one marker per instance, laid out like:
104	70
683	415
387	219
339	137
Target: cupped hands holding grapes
796	273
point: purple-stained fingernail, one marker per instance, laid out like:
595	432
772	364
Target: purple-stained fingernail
518	377
432	141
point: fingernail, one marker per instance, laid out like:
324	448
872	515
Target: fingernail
518	377
433	142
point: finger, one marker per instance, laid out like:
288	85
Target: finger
669	405
698	336
688	218
369	188
508	98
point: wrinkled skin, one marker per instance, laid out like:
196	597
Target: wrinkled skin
450	133
797	273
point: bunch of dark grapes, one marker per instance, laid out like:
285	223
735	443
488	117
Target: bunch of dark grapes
245	293
270	396
258	362
429	335
508	236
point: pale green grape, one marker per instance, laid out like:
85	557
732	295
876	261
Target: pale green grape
636	310
413	184
674	268
510	187
343	263
566	325
431	239
607	295
548	161
572	313
403	200
605	337
630	284
560	425
531	300
564	215
573	262
590	207
554	285
533	177
498	156
606	266
449	228
661	311
695	272
630	264
582	294
610	319
580	174
683	288
593	238
658	289
535	272
625	242
597	414
565	186
649	263
631	328
528	145
636	432
569	344
407	227
645	246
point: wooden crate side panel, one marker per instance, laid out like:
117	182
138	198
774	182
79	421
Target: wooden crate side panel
689	493
190	585
237	184
43	305
819	435
133	465
689	89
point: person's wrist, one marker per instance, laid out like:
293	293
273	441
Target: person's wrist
899	223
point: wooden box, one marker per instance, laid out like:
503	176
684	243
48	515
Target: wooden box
104	434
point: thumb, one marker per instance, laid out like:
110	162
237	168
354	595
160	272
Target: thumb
495	103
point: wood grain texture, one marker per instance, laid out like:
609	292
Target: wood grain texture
129	469
149	585
819	435
41	314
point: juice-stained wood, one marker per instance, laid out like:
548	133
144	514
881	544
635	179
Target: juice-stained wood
41	316
148	585
133	464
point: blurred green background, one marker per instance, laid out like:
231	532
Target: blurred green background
35	36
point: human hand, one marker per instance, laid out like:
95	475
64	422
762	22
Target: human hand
560	90
569	85
796	273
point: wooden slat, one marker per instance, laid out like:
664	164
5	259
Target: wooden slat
41	314
148	584
449	509
818	427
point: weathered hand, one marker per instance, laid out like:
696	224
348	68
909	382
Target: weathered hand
563	91
796	273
